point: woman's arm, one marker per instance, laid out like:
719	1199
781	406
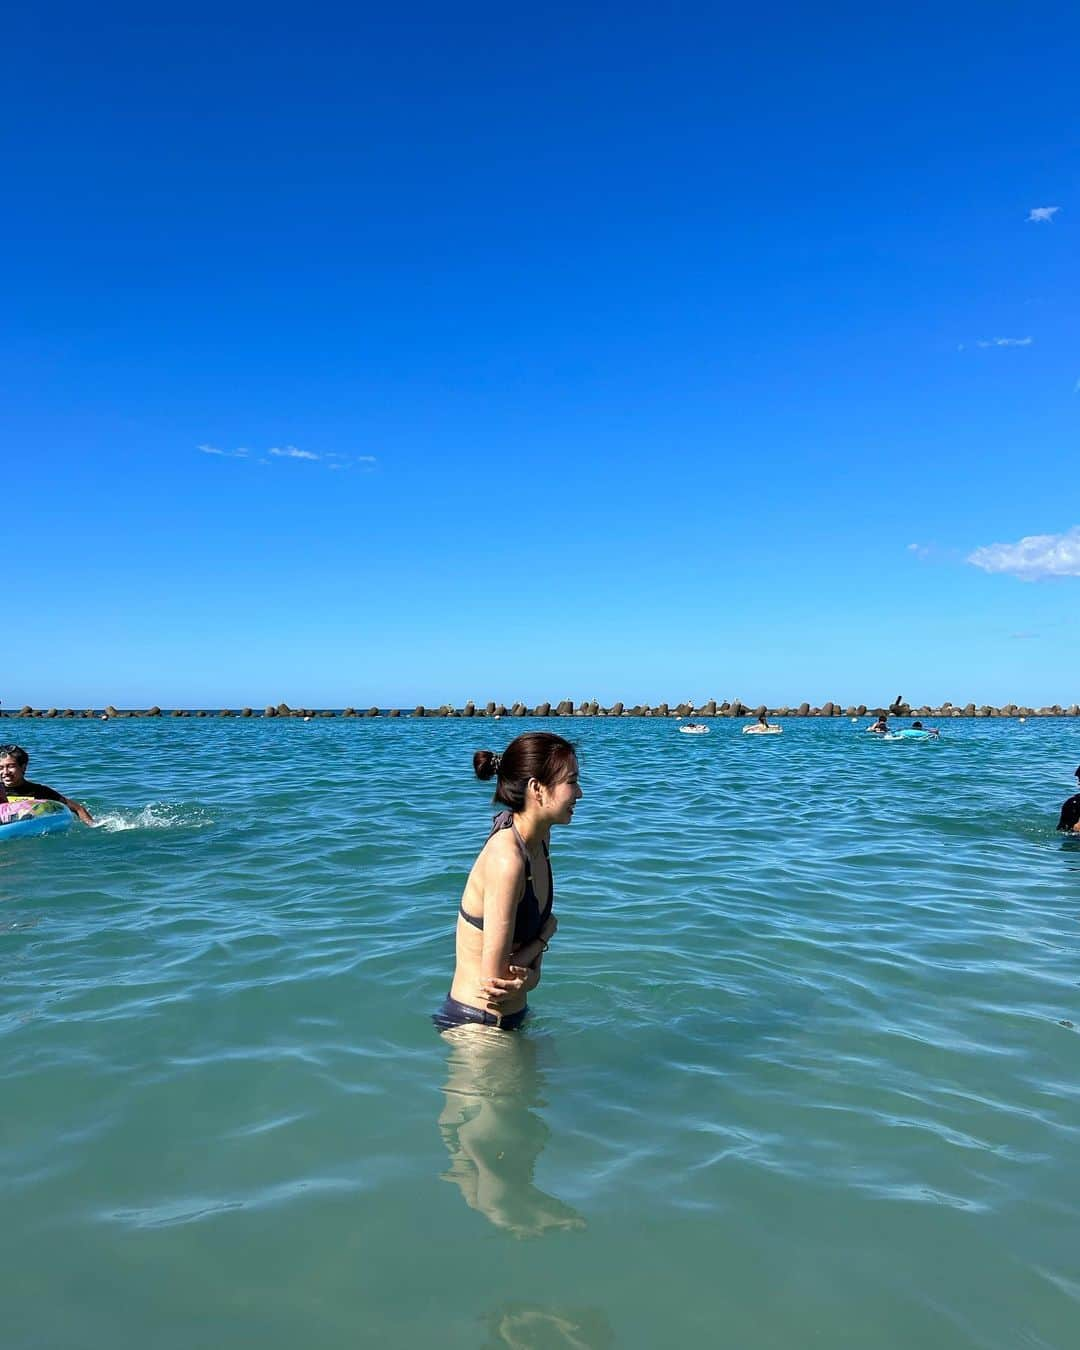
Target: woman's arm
524	967
526	955
504	883
532	973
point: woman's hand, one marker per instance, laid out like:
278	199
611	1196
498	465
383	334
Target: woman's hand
501	989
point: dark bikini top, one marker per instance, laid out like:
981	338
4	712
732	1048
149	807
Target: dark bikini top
528	921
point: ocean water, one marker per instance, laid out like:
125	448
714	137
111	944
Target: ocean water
802	1071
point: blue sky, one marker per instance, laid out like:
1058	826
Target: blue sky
613	352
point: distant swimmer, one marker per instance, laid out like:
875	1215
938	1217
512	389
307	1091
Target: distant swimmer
880	727
762	727
1070	811
16	787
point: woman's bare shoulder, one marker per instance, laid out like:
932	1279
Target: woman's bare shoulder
502	855
498	870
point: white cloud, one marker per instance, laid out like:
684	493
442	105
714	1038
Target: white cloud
1043	214
291	452
921	550
1034	557
1007	342
332	459
343	460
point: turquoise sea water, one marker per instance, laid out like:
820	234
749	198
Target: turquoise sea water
801	1071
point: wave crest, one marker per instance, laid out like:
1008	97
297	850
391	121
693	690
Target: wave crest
154	816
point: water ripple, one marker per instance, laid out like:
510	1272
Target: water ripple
809	1023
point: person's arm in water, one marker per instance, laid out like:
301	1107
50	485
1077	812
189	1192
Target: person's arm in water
79	810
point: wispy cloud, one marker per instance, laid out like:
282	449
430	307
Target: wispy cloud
291	452
935	555
239	453
332	459
1043	215
1006	342
1033	558
1023	637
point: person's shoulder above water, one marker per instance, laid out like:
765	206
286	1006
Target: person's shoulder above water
40	792
504	853
1070	814
1070	810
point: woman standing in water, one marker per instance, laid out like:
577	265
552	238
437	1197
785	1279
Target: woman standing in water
505	921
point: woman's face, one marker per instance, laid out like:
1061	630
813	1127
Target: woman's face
560	798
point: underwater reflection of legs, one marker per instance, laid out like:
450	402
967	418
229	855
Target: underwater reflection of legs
491	1134
521	1327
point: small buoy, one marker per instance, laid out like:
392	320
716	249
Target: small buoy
1023	719
104	717
307	719
854	720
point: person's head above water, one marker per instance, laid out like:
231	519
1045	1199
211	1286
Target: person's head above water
13	762
916	726
535	757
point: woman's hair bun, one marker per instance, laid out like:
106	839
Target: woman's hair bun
486	764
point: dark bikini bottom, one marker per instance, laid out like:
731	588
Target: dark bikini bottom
455	1014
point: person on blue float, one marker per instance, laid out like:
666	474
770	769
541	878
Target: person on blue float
505	918
16	787
1070	811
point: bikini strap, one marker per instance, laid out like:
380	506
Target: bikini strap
505	821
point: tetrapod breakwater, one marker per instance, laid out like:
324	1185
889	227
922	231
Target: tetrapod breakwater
568	708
